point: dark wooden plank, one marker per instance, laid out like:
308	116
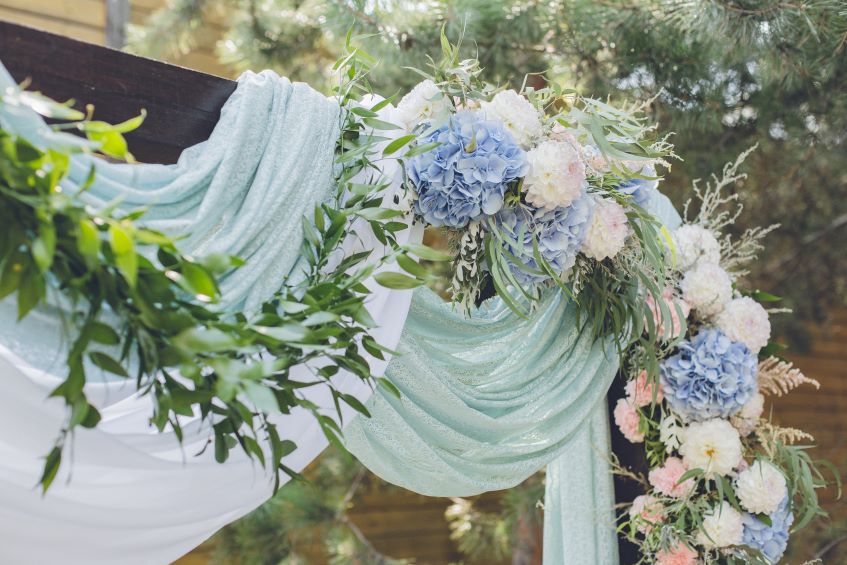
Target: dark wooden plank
182	105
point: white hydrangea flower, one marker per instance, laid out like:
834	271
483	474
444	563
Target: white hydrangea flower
424	102
746	419
745	320
556	175
706	288
722	527
694	244
608	230
518	115
713	445
761	487
670	432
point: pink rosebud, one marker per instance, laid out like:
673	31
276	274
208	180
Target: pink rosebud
639	392
680	554
665	479
672	302
627	419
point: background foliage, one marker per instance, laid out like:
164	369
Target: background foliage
724	75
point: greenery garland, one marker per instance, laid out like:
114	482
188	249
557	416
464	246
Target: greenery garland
231	369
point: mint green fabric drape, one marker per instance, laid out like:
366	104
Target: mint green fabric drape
489	400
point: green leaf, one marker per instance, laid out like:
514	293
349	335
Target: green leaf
200	282
261	397
397	144
107	363
427	253
355	404
51	467
88	240
373	214
396	281
124	250
205	340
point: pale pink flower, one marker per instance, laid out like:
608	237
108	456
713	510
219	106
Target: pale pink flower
680	554
627	419
639	391
646	511
665	479
671	302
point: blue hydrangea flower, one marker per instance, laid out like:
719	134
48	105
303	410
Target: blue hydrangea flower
641	190
770	540
466	176
710	377
559	233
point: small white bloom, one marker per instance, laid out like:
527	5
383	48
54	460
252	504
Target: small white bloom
608	230
722	527
670	433
517	114
746	419
713	445
424	102
694	244
761	488
556	176
745	320
706	288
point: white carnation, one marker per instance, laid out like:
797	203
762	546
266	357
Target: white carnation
424	102
746	419
556	175
706	288
761	487
722	527
745	320
694	244
608	230
517	114
713	445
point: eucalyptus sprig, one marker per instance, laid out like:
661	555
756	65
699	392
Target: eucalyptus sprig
141	310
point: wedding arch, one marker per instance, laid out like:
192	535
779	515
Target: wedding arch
241	383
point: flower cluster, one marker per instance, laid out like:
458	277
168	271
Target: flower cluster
535	182
700	419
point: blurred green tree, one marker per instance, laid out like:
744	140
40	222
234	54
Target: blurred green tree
724	75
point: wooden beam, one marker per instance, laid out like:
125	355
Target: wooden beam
182	105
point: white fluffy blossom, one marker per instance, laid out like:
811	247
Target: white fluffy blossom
706	288
608	230
517	114
713	445
556	175
746	419
424	102
722	527
761	488
694	244
745	320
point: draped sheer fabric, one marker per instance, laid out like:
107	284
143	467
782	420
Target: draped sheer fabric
487	401
126	494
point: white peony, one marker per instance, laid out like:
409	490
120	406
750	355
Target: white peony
424	102
722	527
746	419
517	114
608	230
745	320
713	445
694	244
556	175
761	488
706	288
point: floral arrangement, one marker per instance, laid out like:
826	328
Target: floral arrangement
725	484
536	188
